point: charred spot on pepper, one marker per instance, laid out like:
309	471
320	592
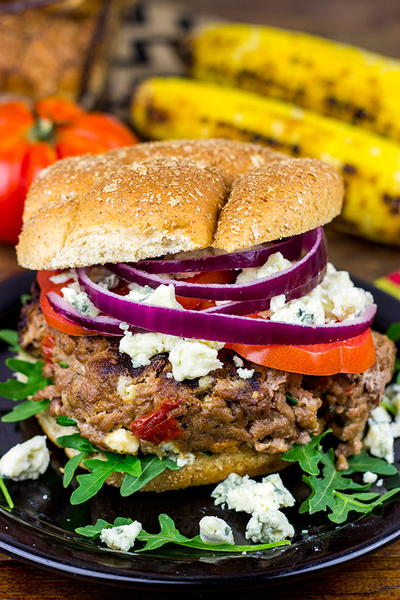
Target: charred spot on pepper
349	169
360	114
156	114
393	202
296	149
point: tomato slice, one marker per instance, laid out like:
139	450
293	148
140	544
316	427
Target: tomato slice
204	277
53	318
354	355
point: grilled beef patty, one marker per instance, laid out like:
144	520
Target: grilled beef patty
219	412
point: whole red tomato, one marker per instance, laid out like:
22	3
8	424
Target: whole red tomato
31	138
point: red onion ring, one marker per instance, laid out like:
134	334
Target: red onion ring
279	283
102	325
254	306
219	327
244	259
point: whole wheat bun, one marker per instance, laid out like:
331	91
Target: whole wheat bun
166	197
205	470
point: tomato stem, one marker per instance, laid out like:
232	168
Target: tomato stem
42	131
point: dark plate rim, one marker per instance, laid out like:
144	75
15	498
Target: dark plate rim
11	290
192	582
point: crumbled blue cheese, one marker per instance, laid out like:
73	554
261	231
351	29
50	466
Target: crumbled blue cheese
379	439
24	461
215	531
241	371
79	300
369	477
163	295
247	495
285	497
335	299
141	347
238	362
392	396
181	458
122	537
392	399
193	358
276	262
245	373
189	358
269	527
139	293
307	310
109	281
122	440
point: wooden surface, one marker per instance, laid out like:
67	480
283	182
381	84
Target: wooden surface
374	25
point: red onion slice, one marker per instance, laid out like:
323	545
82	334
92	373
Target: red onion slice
255	257
102	324
219	327
254	306
279	283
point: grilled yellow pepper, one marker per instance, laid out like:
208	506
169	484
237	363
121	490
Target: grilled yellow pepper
331	78
180	108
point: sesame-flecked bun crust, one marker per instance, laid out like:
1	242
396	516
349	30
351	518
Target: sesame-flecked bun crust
205	470
161	198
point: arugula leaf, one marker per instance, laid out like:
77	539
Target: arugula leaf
17	390
77	442
30	369
11	338
322	488
169	534
25	298
151	467
6	494
93	531
308	456
25	410
91	483
137	471
363	462
65	421
397	364
346	503
393	332
71	467
328	486
389	407
63	364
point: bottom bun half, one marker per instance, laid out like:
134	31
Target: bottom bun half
204	470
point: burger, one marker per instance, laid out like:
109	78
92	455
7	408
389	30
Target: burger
185	309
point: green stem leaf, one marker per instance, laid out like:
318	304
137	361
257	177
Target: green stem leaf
6	494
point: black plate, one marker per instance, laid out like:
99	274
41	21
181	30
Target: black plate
40	529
